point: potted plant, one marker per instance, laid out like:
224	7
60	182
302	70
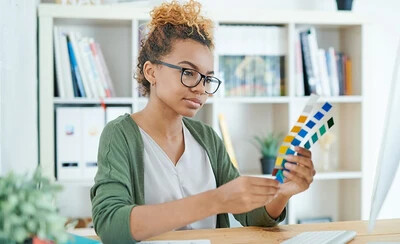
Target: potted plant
27	210
268	146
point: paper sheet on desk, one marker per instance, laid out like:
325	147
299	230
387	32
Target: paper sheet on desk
389	155
177	242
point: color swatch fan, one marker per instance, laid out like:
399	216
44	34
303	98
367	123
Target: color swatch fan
311	125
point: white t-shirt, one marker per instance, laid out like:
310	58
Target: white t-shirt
165	182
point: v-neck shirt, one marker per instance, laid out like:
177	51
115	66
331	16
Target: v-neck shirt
164	181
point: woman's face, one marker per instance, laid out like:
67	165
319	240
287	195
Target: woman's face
169	88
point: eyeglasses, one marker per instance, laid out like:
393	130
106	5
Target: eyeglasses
191	78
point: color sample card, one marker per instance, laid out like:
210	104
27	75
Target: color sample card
316	126
287	147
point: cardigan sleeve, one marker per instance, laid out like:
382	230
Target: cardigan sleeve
111	195
227	172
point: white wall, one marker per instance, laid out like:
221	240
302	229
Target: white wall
18	82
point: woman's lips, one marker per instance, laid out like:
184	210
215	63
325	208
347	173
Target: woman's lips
193	102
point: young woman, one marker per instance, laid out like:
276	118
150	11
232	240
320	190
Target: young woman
161	171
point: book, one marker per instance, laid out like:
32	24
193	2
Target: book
61	90
88	64
349	77
334	80
341	72
104	69
79	90
83	82
66	64
299	78
313	46
97	64
324	78
308	74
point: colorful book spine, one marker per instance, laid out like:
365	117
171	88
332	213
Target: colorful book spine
309	79
349	77
79	90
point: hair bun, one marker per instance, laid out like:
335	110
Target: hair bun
187	14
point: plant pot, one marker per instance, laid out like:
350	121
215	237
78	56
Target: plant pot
267	164
344	4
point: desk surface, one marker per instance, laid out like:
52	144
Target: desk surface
385	230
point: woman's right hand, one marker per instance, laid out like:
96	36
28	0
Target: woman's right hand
246	193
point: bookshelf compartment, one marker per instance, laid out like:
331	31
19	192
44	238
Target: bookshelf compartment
115	39
346	41
252	67
340	148
244	121
336	199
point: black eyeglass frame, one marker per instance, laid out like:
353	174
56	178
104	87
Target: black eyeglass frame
182	69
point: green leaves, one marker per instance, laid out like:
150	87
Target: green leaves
27	209
269	144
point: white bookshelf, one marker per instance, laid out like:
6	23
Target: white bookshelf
78	100
336	194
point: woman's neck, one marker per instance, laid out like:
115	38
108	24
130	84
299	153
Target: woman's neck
157	118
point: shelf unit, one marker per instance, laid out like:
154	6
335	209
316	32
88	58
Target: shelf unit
116	28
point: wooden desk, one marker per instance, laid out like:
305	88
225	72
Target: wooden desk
385	230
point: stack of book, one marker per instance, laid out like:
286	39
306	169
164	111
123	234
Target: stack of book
252	59
319	71
80	67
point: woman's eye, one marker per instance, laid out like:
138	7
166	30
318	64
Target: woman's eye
188	73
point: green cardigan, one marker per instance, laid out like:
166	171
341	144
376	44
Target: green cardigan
119	180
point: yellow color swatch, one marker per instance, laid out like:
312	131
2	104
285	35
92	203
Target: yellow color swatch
296	129
288	139
283	149
278	161
302	119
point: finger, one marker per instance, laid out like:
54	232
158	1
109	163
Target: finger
303	172
262	190
301	182
258	181
304	152
300	160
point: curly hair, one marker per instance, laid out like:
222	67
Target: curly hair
169	22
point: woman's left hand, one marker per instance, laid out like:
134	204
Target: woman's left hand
301	173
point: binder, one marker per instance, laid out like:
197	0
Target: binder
114	112
68	138
92	126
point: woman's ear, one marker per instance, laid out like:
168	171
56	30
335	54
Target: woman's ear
149	72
